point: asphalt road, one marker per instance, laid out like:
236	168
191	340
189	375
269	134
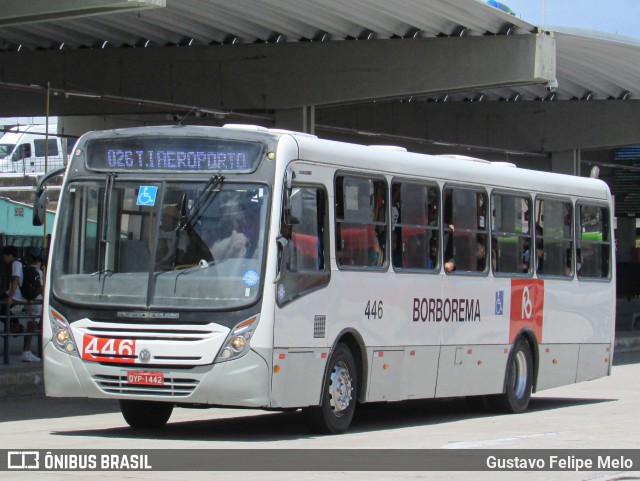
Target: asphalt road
597	414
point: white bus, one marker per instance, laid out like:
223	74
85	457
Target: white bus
248	267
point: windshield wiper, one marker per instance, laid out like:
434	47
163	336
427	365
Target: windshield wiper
182	215
202	265
106	272
104	223
201	204
106	202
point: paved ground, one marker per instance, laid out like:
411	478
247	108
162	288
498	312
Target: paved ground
594	415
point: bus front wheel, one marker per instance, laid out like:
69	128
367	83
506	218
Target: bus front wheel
145	414
339	395
519	379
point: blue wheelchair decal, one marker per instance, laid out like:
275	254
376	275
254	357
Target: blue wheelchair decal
147	195
499	303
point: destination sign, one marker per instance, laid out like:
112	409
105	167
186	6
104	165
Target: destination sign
184	154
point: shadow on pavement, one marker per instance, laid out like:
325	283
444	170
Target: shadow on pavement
40	407
277	425
626	357
280	426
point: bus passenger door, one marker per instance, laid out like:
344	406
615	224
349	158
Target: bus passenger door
474	339
300	346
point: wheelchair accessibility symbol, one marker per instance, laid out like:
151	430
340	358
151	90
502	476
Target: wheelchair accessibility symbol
499	303
147	195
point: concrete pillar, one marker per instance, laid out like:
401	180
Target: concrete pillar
299	120
566	162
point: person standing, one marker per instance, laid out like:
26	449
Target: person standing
34	308
15	299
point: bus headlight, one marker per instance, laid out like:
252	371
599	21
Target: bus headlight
237	343
62	337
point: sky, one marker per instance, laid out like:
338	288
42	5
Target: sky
621	17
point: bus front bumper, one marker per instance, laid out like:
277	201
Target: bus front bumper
243	382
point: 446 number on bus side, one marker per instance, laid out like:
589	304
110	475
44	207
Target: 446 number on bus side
374	309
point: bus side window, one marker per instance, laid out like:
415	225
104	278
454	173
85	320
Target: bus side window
466	230
361	225
511	234
554	237
304	266
594	246
415	224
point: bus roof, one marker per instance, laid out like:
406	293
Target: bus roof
449	168
445	168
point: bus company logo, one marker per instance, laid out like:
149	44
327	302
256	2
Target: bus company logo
527	307
448	310
23	460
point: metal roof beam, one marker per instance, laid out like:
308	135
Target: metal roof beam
290	75
528	126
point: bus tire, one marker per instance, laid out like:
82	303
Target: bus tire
518	382
145	414
339	395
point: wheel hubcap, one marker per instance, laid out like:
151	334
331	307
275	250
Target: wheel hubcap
340	389
520	378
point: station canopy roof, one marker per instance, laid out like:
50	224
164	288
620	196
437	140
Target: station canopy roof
590	65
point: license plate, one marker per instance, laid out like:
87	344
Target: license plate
147	378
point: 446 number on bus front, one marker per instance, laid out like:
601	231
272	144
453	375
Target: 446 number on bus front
102	349
374	309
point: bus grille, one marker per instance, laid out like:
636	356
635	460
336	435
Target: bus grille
175	387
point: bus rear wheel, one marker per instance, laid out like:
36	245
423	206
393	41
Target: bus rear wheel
339	395
518	383
145	414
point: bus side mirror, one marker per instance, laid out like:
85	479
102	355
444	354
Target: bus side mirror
39	207
293	209
23	152
295	206
292	200
40	197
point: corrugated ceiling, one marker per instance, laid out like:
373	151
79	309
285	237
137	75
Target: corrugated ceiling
218	21
589	65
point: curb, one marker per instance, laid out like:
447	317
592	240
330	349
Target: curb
21	383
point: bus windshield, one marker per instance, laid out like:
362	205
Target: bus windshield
164	245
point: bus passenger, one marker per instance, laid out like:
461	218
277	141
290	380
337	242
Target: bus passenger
526	256
539	257
450	263
234	245
396	248
171	243
433	253
481	254
231	241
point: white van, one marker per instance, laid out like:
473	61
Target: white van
22	150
